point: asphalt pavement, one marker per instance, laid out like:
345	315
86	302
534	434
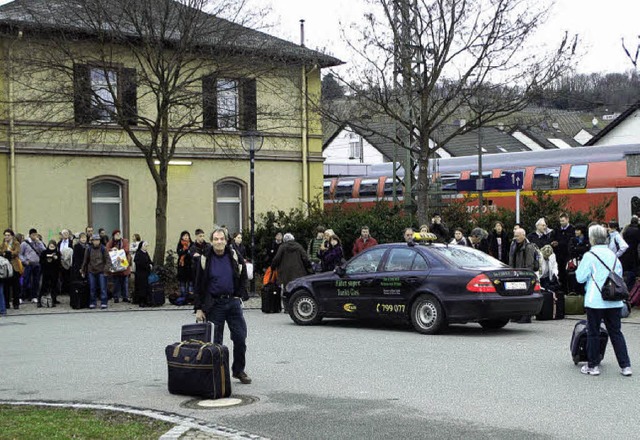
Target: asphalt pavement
339	380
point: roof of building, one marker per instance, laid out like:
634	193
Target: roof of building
492	139
221	34
613	124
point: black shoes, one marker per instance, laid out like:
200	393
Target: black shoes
243	378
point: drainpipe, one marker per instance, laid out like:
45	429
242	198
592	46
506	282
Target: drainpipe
305	143
12	143
305	128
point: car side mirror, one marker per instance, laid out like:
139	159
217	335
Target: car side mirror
340	271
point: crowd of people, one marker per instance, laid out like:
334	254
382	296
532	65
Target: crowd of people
562	257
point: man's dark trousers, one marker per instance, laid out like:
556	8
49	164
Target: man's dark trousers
230	310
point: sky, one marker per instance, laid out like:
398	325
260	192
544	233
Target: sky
599	23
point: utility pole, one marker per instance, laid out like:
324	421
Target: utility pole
404	83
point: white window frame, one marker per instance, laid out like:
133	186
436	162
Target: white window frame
231	200
109	200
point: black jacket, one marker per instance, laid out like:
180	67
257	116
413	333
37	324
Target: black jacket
482	245
563	237
493	246
630	259
441	231
540	240
204	301
578	249
50	262
78	258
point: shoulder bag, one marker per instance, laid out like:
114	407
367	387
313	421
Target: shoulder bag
614	287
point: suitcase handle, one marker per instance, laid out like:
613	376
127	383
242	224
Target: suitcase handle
176	351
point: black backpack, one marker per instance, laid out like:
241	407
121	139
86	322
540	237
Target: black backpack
614	287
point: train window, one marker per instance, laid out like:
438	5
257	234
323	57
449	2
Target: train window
326	189
344	189
485	175
388	187
450	181
578	176
546	178
368	187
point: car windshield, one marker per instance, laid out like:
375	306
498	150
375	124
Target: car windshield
467	257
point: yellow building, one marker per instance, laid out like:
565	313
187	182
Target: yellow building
84	96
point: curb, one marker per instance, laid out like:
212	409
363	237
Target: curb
183	424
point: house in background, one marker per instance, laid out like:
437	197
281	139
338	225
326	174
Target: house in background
623	130
68	164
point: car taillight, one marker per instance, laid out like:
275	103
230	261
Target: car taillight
481	284
537	287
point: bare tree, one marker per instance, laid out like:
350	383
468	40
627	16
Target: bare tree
154	69
424	63
633	58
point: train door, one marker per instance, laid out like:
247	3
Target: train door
628	204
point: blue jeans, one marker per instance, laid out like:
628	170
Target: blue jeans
230	310
611	319
31	281
120	286
96	279
3	308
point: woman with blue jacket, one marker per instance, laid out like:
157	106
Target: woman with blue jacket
594	273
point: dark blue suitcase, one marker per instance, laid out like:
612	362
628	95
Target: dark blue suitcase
198	369
579	342
200	332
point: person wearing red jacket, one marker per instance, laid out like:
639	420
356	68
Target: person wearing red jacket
365	241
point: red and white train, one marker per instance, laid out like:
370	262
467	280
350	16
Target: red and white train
585	175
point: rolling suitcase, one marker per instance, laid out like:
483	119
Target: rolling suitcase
579	342
270	296
156	290
548	306
198	369
200	332
79	295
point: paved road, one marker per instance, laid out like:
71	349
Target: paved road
338	380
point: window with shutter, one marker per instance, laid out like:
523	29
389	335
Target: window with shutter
229	104
97	91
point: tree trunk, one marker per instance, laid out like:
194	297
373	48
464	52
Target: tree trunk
162	199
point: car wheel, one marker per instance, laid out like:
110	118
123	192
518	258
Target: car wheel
427	315
304	309
493	324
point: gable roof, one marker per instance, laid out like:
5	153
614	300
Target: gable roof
492	140
69	16
613	124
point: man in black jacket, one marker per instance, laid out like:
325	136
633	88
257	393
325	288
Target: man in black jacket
220	286
630	259
560	239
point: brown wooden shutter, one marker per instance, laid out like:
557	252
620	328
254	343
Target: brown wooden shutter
82	94
248	111
209	102
129	96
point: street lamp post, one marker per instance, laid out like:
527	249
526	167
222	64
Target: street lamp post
252	141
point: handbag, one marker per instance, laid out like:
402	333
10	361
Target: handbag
153	278
572	265
614	287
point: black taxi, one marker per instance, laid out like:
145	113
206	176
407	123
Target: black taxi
431	285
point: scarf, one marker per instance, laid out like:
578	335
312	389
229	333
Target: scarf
185	247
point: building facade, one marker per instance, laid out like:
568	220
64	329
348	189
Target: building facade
78	133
